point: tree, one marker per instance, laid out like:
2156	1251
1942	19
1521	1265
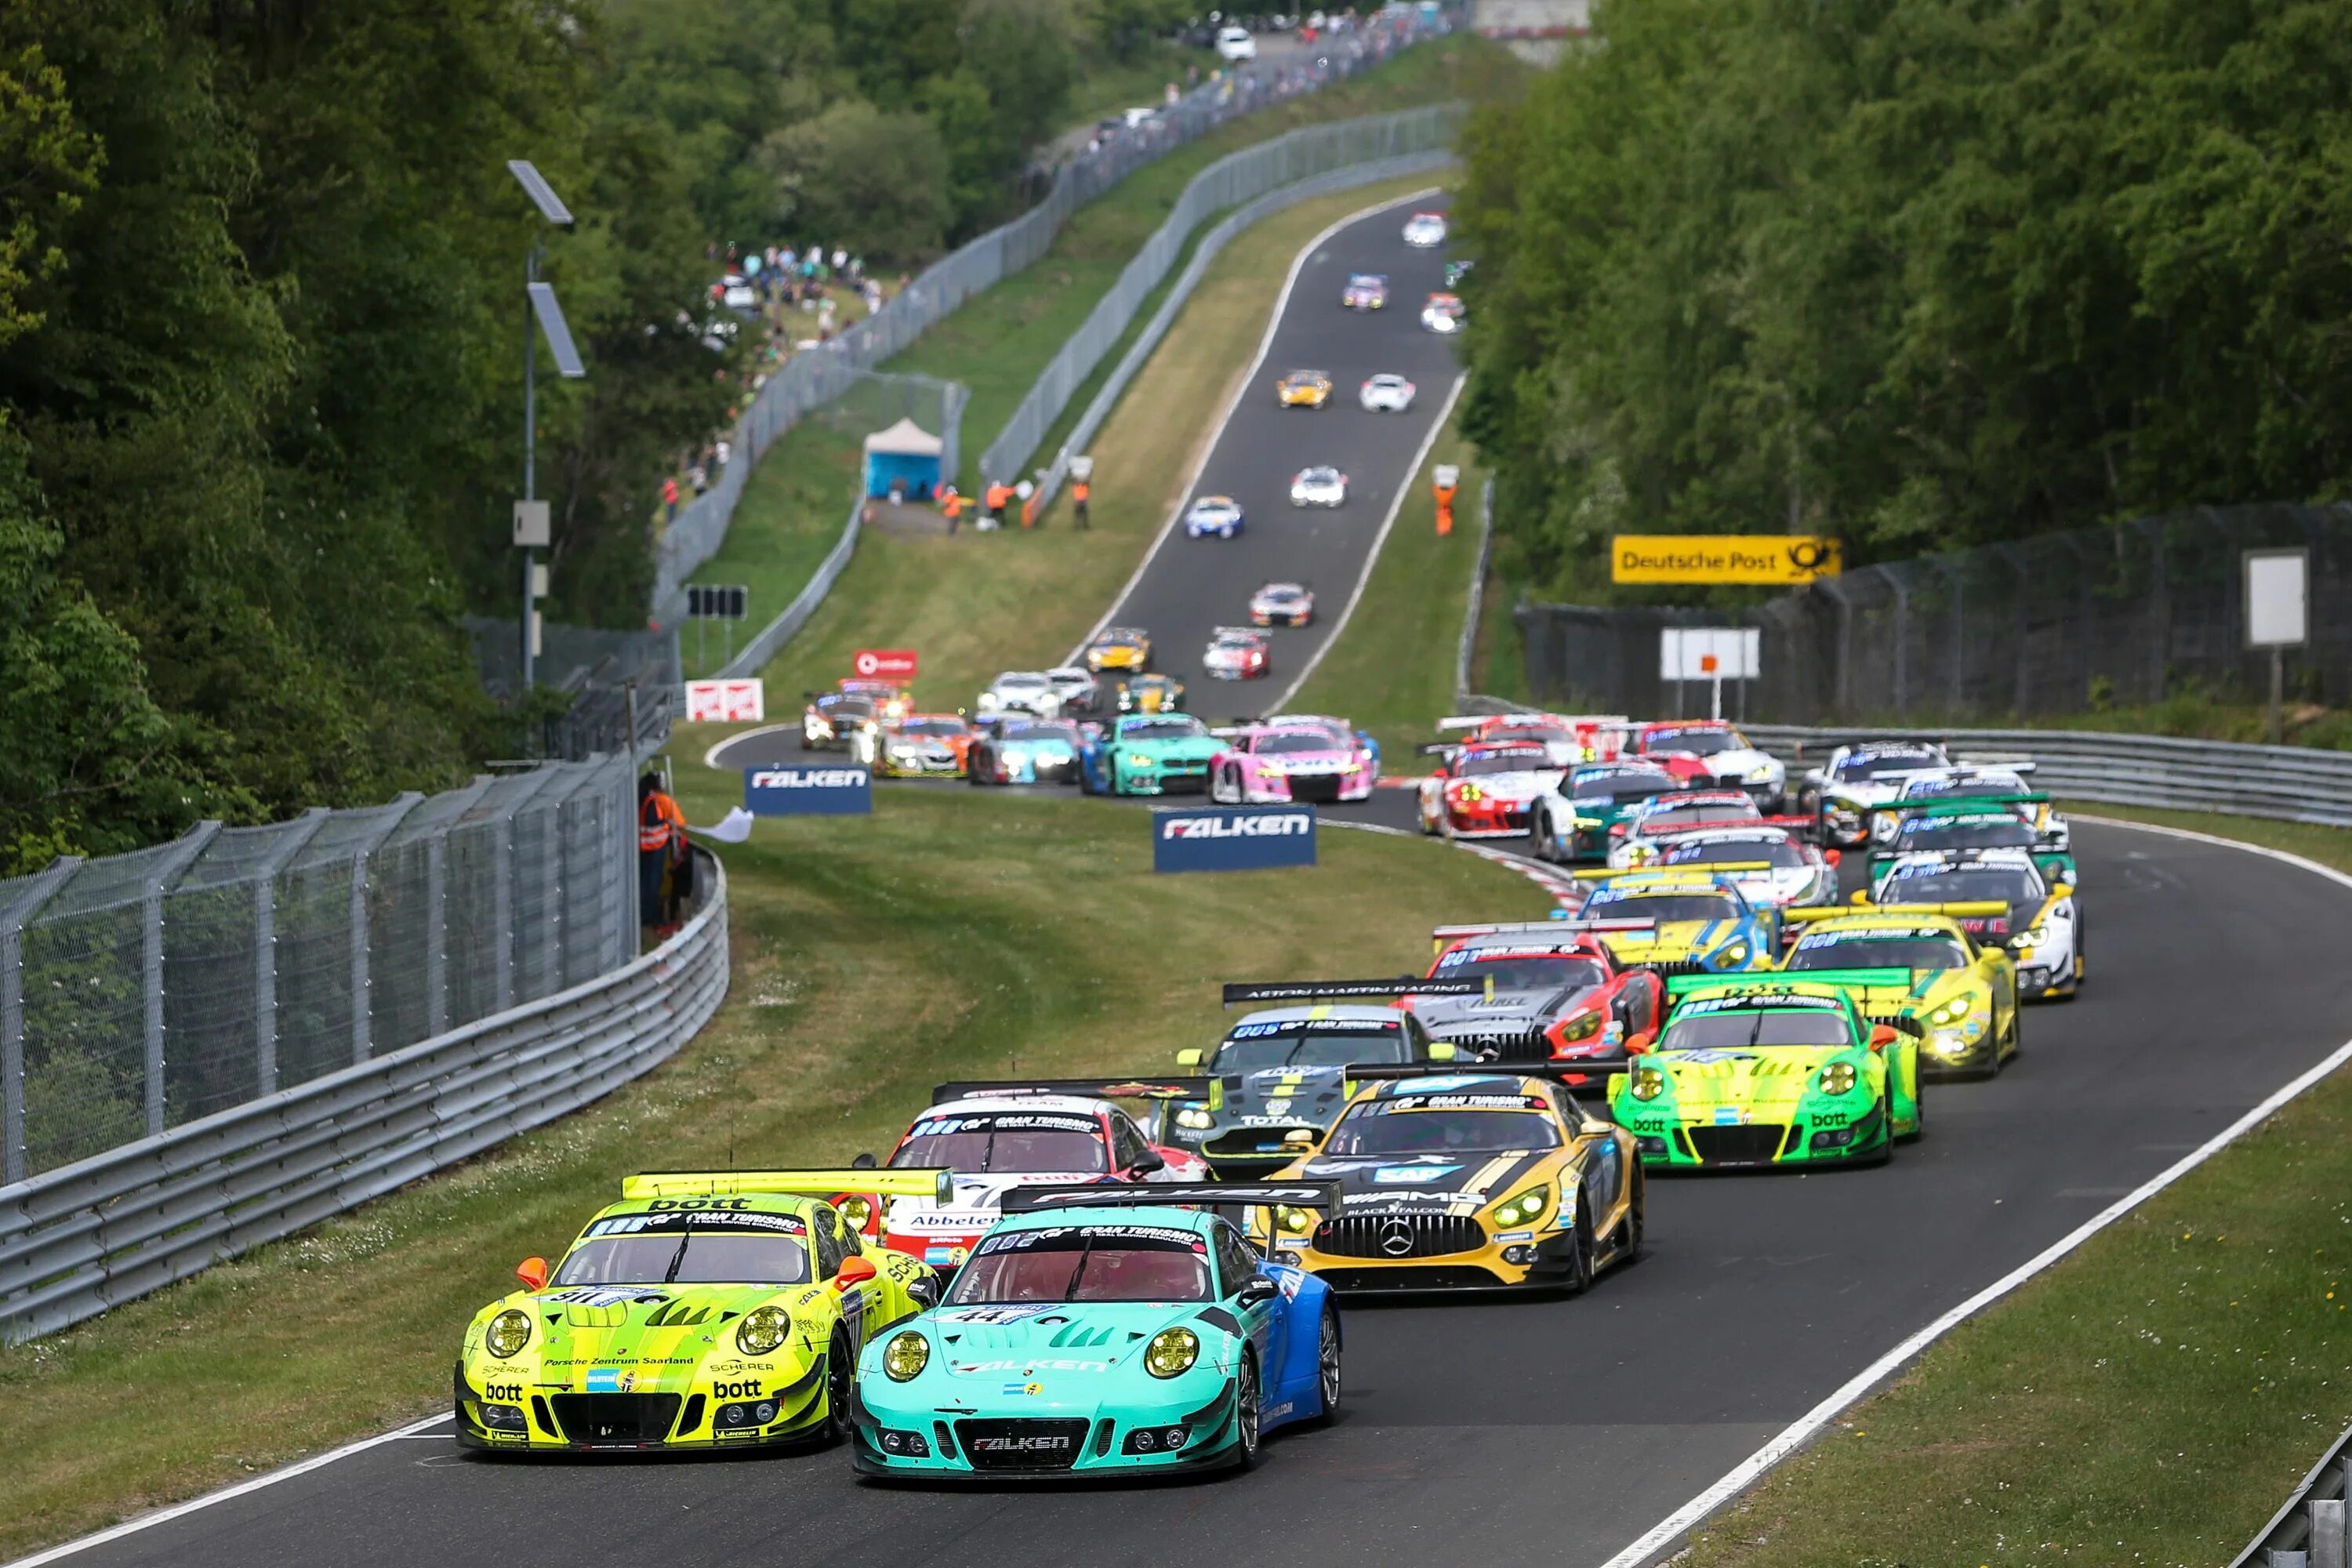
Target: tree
857	177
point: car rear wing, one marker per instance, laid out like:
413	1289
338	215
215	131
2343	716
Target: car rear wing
1243	991
1174	1194
1956	804
1591	1067
1966	911
936	1185
1076	1088
1562	932
1764	981
1709	869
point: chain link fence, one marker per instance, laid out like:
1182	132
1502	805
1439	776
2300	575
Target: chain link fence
142	992
2055	624
817	377
597	668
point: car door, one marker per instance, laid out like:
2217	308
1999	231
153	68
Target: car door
1237	1262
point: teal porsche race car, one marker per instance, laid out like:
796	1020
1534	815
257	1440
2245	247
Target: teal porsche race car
1101	1330
1149	754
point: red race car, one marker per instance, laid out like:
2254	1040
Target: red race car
1570	737
1486	791
1555	993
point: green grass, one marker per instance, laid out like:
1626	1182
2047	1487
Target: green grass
2330	847
1105	87
791	514
938	939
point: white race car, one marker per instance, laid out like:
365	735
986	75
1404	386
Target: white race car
1842	792
1029	692
1322	486
1282	604
1220	515
1774	867
1386	393
1235	653
1443	313
1483	790
1077	688
2044	928
1425	230
1729	760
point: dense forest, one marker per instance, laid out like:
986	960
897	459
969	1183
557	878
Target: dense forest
260	309
1919	273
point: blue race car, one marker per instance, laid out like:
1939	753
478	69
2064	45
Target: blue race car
1105	1332
1010	751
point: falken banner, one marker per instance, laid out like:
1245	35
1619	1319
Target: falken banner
1232	837
824	789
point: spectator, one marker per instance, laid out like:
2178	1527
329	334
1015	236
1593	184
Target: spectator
669	500
699	480
662	855
723	450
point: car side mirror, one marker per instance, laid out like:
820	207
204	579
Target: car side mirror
2062	890
1441	1051
1861	895
864	1162
1880	1037
924	1292
1191	1056
1258	1291
1832	854
532	1272
854	1271
1148	1161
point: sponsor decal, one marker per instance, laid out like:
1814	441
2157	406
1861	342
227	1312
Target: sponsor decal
1031	1368
610	1380
1759	1002
1507	1237
1278	1410
1313	1026
884	663
1232	838
745	1388
510	1393
1729	1116
1404	1102
1019	1389
1409	1175
1273	824
601	1296
726	702
833	790
1005	1120
1019	1444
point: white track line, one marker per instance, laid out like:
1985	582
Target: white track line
710	757
1380	541
1801	1431
1241	390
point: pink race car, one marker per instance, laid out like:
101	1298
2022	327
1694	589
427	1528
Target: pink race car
1316	761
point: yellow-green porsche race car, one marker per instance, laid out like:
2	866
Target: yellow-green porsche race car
1682	920
1964	994
706	1309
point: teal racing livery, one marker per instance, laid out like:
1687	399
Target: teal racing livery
1956	823
1149	754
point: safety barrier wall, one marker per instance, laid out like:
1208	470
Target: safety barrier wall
90	1236
2309	1531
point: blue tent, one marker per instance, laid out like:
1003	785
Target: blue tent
904	459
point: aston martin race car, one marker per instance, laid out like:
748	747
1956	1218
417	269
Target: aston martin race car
1220	515
1466	1181
1149	694
1365	291
1635	835
1119	647
1425	230
1443	313
2042	926
1963	991
1310	763
1693	920
1486	791
1282	604
1025	751
1149	754
706	1309
1323	486
1235	653
833	719
1029	692
1303	389
923	745
1771	865
994	1137
1729	760
1577	821
1858	778
2026	822
1758	1071
1549	991
1099	1333
1386	393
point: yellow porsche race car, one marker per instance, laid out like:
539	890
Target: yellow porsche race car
1682	920
1303	389
1963	993
706	1309
1119	647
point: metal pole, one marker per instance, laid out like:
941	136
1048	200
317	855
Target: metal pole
291	837
43	886
2273	727
530	450
166	870
362	987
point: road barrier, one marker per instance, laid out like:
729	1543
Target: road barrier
2309	1531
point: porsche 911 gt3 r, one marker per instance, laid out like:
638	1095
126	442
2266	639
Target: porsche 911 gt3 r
1321	486
1486	791
1682	921
1305	763
1963	991
1220	515
1425	231
1386	393
1149	694
2042	927
1282	604
1303	389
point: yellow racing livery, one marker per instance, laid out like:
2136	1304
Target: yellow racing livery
1963	993
1681	920
1303	389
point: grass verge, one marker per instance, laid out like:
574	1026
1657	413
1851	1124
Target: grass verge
791	514
2151	1399
868	965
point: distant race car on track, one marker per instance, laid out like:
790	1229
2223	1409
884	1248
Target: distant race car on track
1235	653
922	744
1724	757
1387	393
1486	792
1015	750
833	718
1365	291
1149	754
1965	993
1220	515
1693	921
2041	924
1021	691
1573	823
1552	993
1149	694
1303	389
1424	230
1302	763
1119	647
1443	313
1078	689
1320	485
1282	604
1857	778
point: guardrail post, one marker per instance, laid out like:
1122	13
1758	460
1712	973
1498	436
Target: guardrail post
362	995
13	919
290	839
1841	686
436	934
165	873
2327	1534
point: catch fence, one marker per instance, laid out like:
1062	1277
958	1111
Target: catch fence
609	675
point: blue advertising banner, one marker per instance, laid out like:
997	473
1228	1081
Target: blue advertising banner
1232	837
829	789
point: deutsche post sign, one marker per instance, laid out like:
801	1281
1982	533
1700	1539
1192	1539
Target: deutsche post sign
1782	558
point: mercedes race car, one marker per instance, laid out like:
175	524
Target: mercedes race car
1467	1179
1149	694
1963	991
1386	393
1119	648
1029	692
1365	291
1726	758
1323	486
1576	821
1103	1333
1771	866
1220	515
1310	763
2042	926
1149	754
1682	921
1025	751
1235	653
1857	779
1282	604
1482	790
923	745
706	1309
834	719
1425	230
1549	991
1303	389
1759	1070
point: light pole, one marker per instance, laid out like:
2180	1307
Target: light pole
530	523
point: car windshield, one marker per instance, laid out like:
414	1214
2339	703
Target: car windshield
1523	971
1366	281
1763	1027
1290	743
1697	743
1539	733
1299	1045
1067	733
1059	1142
1987	830
1871	765
846	707
1213	504
1281	591
1022	682
1389	383
1175	727
1319	476
1108	1263
1688	815
1622	786
1235	645
689	1257
1775	851
1479	764
1665	907
1963	885
1874	950
1387	1127
934	727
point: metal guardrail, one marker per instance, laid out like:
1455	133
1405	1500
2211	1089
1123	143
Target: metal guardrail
769	639
2309	1531
90	1235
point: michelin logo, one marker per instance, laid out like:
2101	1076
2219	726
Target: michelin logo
1273	825
809	778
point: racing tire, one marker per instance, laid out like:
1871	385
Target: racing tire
1579	1263
1887	1138
1637	1216
1539	828
840	1369
1328	1379
1246	1435
1220	794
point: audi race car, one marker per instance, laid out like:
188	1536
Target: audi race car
1633	836
1149	754
1119	647
1727	759
1548	992
1220	515
1282	604
994	1137
1859	778
1303	389
1310	763
1365	291
1693	921
1425	231
1080	692
834	719
1014	750
2024	822
1443	313
2042	926
923	745
1341	732
1772	867
1386	393
1483	790
706	1309
1149	694
1570	738
1963	991
1235	653
1474	1180
1756	1070
1105	1333
1029	692
1323	486
1577	821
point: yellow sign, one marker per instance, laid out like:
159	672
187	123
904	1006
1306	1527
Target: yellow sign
1786	558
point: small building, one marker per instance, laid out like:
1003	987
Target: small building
902	461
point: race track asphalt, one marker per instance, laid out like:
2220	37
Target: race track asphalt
1490	1432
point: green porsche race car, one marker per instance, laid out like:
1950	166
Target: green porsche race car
1149	754
706	1309
1754	1072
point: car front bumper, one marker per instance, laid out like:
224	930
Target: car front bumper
950	1413
566	1421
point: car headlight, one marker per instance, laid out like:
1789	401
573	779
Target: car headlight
1648	1083
858	1211
2032	938
1735	954
763	1330
907	1353
1839	1078
1948	1043
1171	1351
1138	760
1297	1222
1583	1027
1525	1208
1953	1011
508	1333
1764	772
1192	1116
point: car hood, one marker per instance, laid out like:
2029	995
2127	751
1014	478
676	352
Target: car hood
1425	1184
993	1343
1512	786
1281	1097
1755	1076
1185	749
1307	761
1445	1017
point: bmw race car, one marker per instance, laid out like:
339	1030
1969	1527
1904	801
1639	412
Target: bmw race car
1303	389
1098	1333
1149	754
1323	486
1149	694
1365	291
1307	762
1727	757
1859	778
1235	653
1220	515
1549	991
1119	647
2042	926
923	745
706	1309
1771	866
1025	751
1482	790
2019	821
1386	393
1963	991
1282	604
1467	1179
1425	230
1443	313
1692	921
1029	692
1761	1071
